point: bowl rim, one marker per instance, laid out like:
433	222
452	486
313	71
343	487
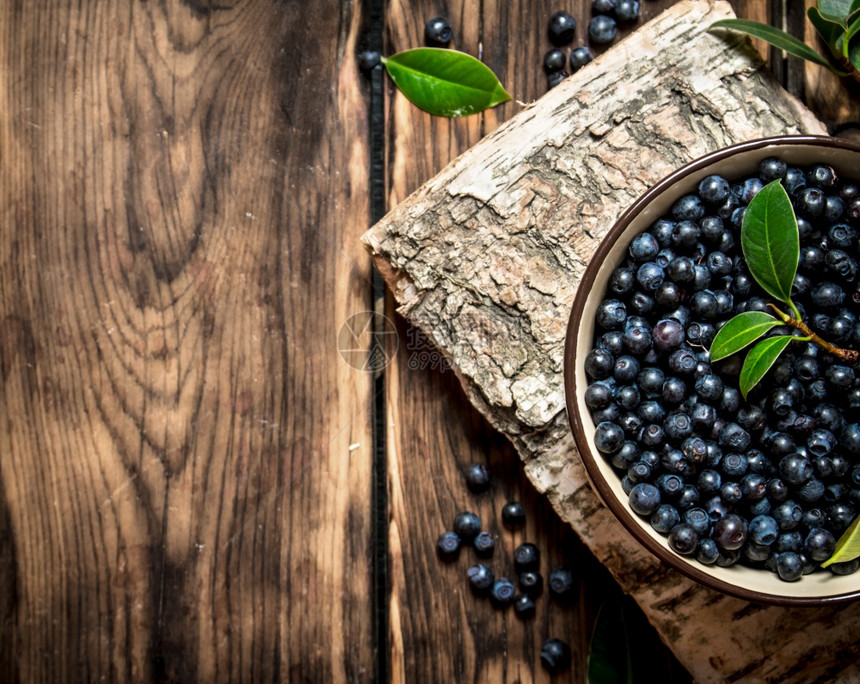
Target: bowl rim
618	508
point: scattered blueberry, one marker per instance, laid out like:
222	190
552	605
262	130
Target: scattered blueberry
526	557
554	60
562	585
562	28
484	544
467	525
579	57
556	77
437	32
602	29
627	11
524	606
477	477
513	514
555	655
369	59
448	546
531	583
503	592
481	578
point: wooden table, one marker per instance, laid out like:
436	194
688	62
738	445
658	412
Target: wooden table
200	481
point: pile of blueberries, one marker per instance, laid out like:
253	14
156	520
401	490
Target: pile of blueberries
771	481
607	15
466	531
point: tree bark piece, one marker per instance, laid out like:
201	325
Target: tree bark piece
485	258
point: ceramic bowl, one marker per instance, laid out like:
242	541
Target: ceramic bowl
735	162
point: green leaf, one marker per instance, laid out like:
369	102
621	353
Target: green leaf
776	37
835	10
760	359
445	82
609	660
848	545
770	241
741	331
829	31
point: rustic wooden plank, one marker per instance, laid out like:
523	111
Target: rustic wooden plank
180	498
445	252
438	630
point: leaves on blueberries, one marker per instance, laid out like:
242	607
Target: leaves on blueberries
847	546
770	241
445	82
740	332
760	359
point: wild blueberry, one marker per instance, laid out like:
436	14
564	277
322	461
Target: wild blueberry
627	10
555	655
626	368
562	28
368	59
688	208
448	546
665	518
603	6
687	232
644	498
579	57
789	566
531	583
827	295
840	515
763	530
602	29
683	539
477	477
795	469
755	553
556	77
651	380
714	189
484	544
730	532
707	551
730	492
524	606
503	592
674	390
554	60
850	438
437	32
562	585
466	526
819	544
481	578
788	515
753	486
526	557
650	276
698	518
771	169
513	514
667	334
643	247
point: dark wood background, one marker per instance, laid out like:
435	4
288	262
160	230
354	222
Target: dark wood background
196	483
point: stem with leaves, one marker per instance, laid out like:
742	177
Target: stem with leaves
771	245
837	23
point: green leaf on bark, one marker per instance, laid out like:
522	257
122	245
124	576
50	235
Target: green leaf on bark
848	545
770	241
776	37
740	332
445	82
760	359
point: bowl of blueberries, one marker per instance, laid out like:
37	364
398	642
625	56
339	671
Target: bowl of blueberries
737	462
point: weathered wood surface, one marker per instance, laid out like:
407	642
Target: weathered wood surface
179	498
485	258
438	631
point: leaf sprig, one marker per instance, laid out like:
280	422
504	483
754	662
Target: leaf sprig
770	242
837	22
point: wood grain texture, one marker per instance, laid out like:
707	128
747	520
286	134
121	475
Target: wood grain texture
438	630
505	210
179	498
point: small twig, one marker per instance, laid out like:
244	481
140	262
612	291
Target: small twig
848	355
